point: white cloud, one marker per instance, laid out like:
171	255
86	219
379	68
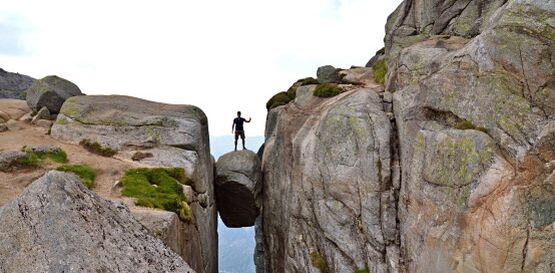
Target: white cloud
222	56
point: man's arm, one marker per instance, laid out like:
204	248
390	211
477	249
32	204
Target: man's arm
248	121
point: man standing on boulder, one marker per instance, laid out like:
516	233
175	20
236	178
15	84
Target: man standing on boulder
237	128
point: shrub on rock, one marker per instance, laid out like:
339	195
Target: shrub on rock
327	90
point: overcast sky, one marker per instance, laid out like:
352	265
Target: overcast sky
220	55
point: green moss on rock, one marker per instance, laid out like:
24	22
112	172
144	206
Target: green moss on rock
327	90
160	188
34	158
278	99
379	70
319	262
96	148
86	173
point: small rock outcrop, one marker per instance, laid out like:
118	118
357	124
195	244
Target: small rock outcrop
12	109
9	159
172	136
328	74
57	225
238	184
51	92
14	85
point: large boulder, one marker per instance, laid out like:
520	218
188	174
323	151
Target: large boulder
330	183
476	121
51	92
14	85
238	184
57	225
172	136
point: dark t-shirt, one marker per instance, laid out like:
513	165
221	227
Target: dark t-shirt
239	123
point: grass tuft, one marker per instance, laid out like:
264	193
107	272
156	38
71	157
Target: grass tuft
96	148
34	159
319	262
363	270
85	172
158	188
379	70
327	90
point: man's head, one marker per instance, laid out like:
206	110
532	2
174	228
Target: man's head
239	113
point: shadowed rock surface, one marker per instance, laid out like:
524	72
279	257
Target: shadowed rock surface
51	92
238	184
175	136
14	85
57	225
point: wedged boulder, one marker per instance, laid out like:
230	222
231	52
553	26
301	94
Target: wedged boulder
238	184
51	92
14	85
171	136
64	227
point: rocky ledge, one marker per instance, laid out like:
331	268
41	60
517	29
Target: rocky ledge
238	184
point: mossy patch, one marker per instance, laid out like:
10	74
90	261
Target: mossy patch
319	262
363	270
467	125
327	90
34	158
138	156
379	69
86	173
158	188
97	148
278	99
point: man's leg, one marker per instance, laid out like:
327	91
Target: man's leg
243	139
236	138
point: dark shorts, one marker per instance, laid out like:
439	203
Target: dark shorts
239	134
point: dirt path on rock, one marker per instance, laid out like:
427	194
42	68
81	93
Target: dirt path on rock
108	170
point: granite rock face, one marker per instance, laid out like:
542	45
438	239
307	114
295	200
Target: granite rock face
173	135
14	85
329	185
57	225
476	126
460	181
51	92
238	184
